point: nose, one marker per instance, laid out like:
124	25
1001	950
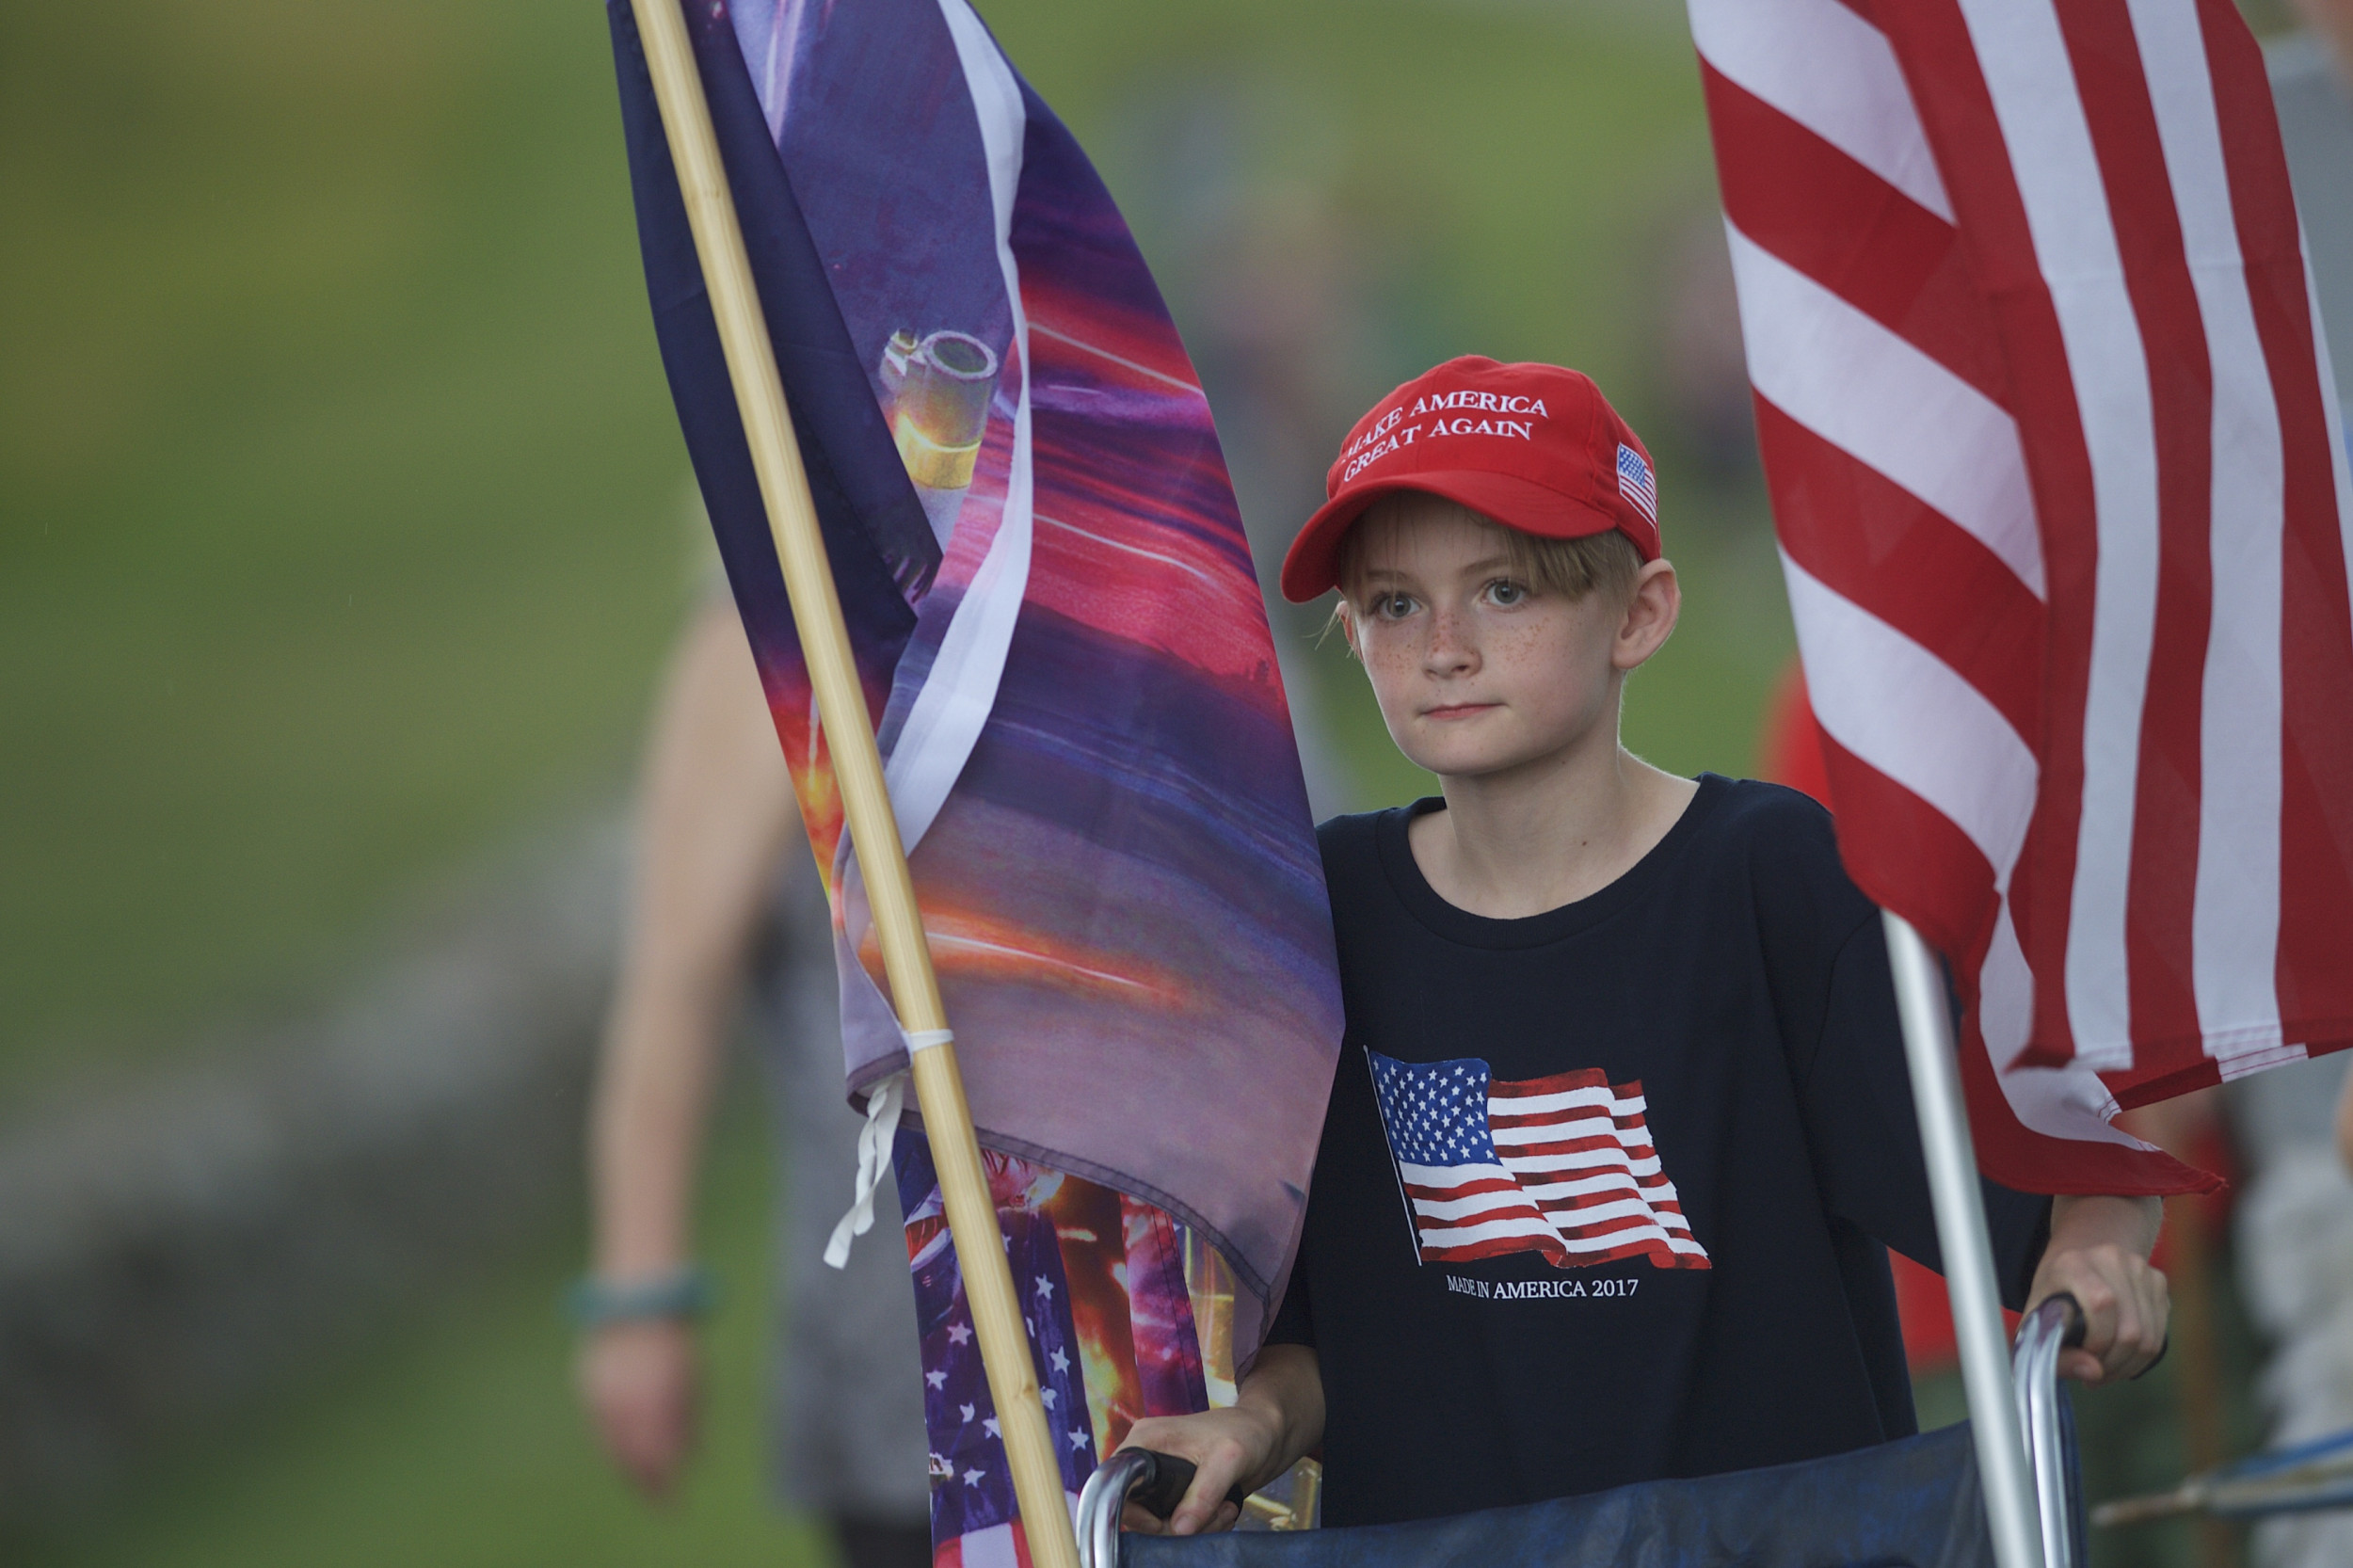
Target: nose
1451	650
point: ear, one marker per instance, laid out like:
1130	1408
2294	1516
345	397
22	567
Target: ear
1344	616
1650	611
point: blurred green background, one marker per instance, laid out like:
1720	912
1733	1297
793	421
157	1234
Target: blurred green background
344	525
344	505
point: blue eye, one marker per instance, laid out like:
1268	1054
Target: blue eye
1394	606
1505	593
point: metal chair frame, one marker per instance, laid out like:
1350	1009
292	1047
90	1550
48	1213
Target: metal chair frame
1160	1480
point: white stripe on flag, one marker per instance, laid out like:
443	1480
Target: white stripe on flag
1904	712
1568	1218
991	1547
945	720
768	33
1558	1133
1586	1160
2235	928
1461	1208
2004	993
2065	1102
2059	1102
1594	1215
2033	86
1471	1235
1833	72
2339	460
1531	1224
1657	1190
1446	1177
1864	389
1577	1187
1534	1105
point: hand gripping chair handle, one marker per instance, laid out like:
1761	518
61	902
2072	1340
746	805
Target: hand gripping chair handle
1158	1481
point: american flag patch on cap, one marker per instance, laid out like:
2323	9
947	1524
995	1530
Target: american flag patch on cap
1635	484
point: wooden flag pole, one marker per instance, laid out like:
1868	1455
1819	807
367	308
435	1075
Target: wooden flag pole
996	1320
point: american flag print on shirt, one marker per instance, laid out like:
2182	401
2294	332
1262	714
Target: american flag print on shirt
1562	1166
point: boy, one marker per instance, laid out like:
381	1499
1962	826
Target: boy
1622	1123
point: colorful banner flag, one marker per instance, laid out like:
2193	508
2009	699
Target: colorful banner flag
2064	512
1125	1309
1050	601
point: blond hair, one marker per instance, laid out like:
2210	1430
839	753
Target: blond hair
1605	562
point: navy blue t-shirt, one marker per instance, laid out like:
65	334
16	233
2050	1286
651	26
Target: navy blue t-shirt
1602	1193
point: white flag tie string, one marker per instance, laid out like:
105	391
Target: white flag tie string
884	1104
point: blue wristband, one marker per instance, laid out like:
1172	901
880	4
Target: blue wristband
683	1292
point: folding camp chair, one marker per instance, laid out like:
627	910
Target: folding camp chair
1915	1502
1999	1489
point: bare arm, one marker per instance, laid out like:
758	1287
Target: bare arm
715	816
1277	1417
2099	1253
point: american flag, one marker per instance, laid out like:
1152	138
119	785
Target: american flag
1562	1166
975	1521
1635	482
2064	513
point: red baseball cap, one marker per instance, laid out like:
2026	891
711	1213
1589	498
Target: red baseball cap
1535	447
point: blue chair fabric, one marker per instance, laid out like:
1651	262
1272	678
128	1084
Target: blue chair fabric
1912	1503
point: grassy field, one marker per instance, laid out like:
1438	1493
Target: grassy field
341	531
457	1445
339	490
340	483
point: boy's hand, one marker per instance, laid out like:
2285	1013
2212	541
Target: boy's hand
1227	1445
1276	1417
2099	1253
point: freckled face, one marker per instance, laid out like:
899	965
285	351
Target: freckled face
1477	670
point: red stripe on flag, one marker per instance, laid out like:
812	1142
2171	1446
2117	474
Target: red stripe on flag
1611	1226
1559	1083
1875	543
2027	1162
2110	76
2135	677
1588	1111
1576	1202
1561	1117
1498	1247
2200	1072
1852	232
1940	62
1570	1145
2315	977
1896	844
1468	1190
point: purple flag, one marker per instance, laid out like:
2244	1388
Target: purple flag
1050	598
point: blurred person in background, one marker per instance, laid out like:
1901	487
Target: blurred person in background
1700	371
727	897
1265	274
2332	22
